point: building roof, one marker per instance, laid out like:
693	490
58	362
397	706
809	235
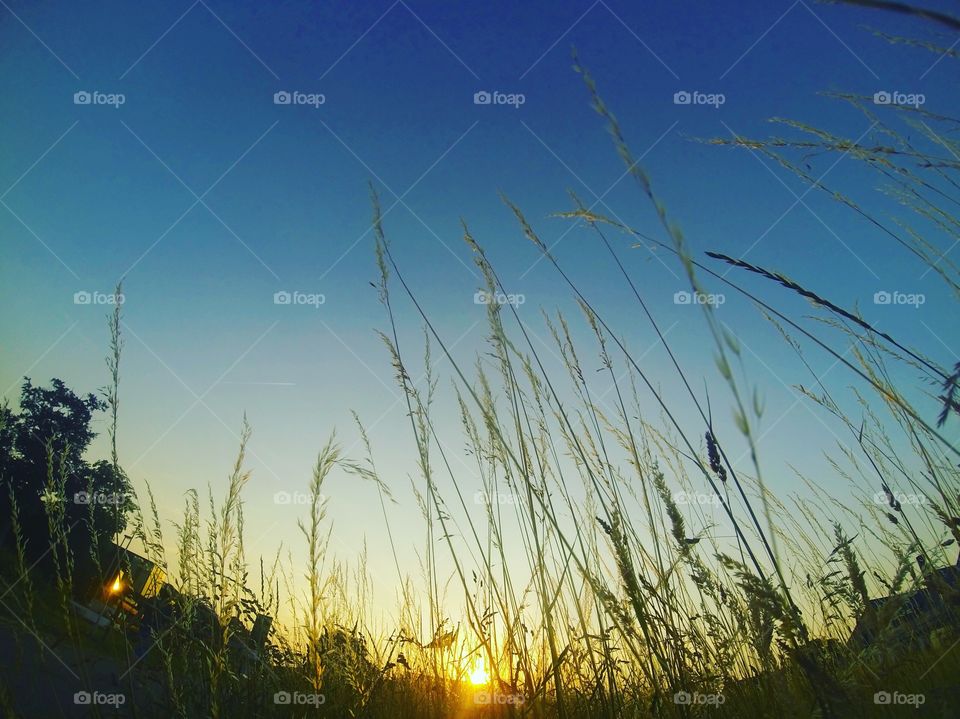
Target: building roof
924	605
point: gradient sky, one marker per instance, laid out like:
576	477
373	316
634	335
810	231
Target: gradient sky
208	198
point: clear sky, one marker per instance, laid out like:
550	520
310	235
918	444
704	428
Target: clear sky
208	197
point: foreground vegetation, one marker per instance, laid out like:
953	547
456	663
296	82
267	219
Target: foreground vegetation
631	602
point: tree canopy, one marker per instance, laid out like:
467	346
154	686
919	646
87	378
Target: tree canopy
42	448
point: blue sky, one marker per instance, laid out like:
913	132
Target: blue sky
208	198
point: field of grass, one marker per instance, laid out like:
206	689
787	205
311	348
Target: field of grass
629	601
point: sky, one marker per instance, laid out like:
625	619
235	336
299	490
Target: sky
187	175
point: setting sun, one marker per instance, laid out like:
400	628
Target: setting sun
479	674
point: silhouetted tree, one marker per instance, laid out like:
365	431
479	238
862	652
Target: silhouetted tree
46	440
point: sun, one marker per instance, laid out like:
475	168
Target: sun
116	586
479	675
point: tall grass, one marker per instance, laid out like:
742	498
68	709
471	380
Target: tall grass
593	591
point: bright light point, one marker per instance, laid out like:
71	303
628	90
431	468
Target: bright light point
479	674
116	586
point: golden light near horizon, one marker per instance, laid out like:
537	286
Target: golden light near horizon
479	675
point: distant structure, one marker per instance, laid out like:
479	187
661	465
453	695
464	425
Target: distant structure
138	597
135	576
914	619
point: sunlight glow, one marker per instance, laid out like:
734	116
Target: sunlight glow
116	586
479	674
